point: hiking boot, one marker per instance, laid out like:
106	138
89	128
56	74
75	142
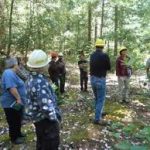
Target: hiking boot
101	122
18	141
104	114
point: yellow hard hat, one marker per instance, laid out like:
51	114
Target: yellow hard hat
38	59
100	42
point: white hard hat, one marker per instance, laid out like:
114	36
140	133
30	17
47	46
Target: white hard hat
38	59
60	54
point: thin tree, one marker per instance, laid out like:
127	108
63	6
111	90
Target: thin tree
95	29
2	27
89	22
116	31
10	29
102	19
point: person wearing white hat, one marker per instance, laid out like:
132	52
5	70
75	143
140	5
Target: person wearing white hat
41	102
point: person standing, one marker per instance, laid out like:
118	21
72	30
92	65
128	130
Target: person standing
53	69
123	72
99	65
61	72
83	66
13	100
41	102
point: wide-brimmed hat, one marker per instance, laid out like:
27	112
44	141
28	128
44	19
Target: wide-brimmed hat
38	59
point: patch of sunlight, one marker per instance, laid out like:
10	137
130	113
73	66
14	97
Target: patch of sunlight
127	115
93	132
138	103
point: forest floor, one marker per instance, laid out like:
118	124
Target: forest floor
129	127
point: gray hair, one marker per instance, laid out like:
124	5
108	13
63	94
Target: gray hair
10	62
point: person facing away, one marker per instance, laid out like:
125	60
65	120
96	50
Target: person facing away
99	65
61	72
13	100
83	66
41	102
123	72
53	69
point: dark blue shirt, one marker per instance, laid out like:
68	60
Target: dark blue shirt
99	63
41	99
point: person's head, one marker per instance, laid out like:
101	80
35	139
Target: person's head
100	43
60	55
38	60
123	51
11	63
82	56
54	55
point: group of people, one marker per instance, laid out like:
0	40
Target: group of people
99	65
32	92
57	71
33	95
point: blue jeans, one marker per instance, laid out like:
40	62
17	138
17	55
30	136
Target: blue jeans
99	90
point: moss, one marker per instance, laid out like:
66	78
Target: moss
4	138
78	135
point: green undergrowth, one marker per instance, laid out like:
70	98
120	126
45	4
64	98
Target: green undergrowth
127	131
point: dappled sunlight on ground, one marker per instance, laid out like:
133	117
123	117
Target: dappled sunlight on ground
129	123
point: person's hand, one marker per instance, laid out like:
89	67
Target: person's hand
18	101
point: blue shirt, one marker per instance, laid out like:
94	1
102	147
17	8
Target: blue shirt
41	99
11	80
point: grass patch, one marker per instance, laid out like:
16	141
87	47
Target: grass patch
78	135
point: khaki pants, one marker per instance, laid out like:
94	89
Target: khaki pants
123	85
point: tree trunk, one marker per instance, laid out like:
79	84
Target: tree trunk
2	28
29	29
102	19
78	33
10	29
89	22
116	31
95	29
108	47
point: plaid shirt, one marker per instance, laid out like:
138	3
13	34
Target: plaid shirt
41	100
22	73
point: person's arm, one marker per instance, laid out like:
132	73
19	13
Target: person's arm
147	71
80	65
148	67
15	93
11	84
108	63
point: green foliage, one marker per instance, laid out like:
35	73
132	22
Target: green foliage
144	134
125	145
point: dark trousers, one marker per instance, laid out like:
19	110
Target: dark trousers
62	83
54	79
83	81
47	133
14	119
